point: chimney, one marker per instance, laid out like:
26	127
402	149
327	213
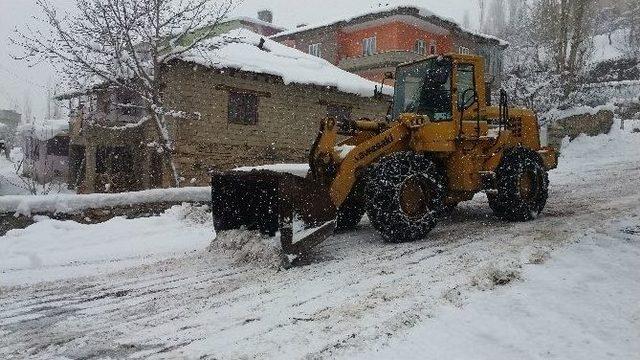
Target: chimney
265	15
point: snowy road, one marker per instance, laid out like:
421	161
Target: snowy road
361	296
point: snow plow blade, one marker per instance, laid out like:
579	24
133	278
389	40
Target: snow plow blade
300	210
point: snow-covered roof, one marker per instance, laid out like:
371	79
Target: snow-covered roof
255	21
45	130
383	9
239	49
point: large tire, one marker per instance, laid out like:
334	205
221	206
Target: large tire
405	195
522	186
352	210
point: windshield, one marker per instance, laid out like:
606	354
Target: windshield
424	88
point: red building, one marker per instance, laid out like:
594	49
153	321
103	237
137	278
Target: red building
373	43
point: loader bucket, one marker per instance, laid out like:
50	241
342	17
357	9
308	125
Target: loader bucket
299	209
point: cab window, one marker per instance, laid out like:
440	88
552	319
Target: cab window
466	81
424	88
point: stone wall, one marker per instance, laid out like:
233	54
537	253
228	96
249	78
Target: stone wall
574	126
288	119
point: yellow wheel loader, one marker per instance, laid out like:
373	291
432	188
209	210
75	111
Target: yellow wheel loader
444	145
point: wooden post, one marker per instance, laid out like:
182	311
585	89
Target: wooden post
90	174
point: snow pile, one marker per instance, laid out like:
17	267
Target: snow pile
44	130
248	247
55	250
294	169
595	151
74	203
239	49
496	274
192	214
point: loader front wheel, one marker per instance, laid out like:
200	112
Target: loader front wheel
522	184
405	196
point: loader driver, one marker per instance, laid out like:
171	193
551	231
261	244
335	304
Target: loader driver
428	90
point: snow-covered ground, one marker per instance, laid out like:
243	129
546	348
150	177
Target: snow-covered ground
582	304
565	286
54	250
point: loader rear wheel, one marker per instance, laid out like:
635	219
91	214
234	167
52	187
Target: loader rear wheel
522	184
405	195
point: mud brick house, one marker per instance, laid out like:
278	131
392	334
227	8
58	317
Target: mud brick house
251	101
373	43
45	145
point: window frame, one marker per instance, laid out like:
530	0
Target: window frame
460	91
433	47
463	50
58	146
420	47
344	112
315	49
369	46
245	106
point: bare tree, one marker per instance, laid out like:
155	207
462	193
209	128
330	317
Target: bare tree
496	19
632	20
27	111
123	44
466	21
482	7
564	28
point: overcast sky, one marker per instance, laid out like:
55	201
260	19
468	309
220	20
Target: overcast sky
17	81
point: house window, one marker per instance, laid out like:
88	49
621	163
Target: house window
315	50
341	113
243	108
369	46
125	102
464	50
433	48
420	47
58	146
113	160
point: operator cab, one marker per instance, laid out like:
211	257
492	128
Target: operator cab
443	89
424	88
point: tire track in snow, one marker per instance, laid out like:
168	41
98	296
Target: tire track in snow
356	291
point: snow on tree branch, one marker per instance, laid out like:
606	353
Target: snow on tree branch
122	45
